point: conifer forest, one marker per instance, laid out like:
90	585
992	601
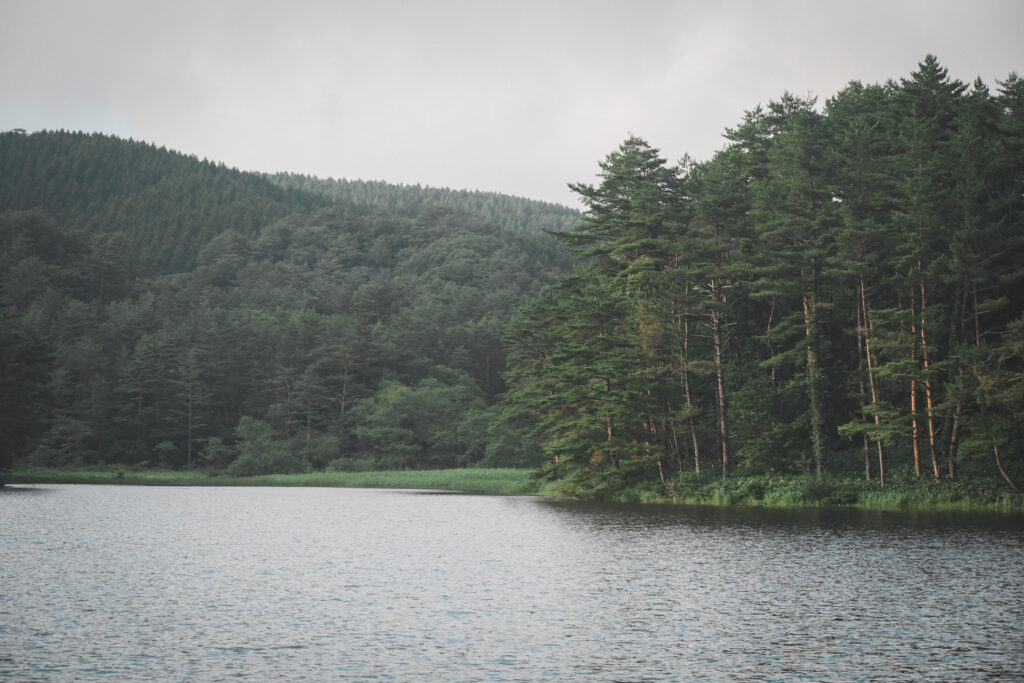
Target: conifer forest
838	291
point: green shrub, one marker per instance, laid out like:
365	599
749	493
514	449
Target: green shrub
260	453
351	465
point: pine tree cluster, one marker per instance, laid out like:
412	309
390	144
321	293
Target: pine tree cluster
840	289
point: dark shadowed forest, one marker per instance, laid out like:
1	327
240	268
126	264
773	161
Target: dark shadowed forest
839	290
161	310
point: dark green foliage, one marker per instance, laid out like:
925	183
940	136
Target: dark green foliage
24	368
904	490
162	206
836	294
277	350
417	427
836	291
515	214
260	453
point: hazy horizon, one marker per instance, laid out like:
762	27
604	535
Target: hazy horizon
520	100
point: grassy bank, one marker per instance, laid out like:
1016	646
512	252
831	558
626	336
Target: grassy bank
900	493
500	481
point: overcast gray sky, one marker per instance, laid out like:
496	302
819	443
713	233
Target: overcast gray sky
519	97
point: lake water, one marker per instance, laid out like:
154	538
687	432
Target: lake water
346	584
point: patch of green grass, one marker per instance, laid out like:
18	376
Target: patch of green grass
499	481
503	481
901	493
110	475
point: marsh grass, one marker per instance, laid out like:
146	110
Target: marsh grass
498	481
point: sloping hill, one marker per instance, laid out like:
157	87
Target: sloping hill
511	213
156	308
167	205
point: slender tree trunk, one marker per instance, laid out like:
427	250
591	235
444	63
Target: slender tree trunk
861	327
342	398
914	427
684	369
652	428
810	314
871	377
773	374
928	389
691	424
676	445
723	429
999	464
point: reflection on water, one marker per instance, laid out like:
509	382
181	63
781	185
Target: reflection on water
209	584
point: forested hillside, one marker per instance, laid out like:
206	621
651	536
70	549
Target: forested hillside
158	206
511	213
161	310
840	289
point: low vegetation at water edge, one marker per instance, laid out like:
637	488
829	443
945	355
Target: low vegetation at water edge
902	492
489	480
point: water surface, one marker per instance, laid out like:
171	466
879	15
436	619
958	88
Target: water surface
334	584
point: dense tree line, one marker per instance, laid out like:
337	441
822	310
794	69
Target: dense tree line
159	206
838	290
517	214
332	335
163	207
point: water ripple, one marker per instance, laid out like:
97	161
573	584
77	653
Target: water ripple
216	584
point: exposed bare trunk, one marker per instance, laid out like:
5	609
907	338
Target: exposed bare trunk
928	389
723	430
999	464
812	381
861	327
676	446
871	377
914	427
773	374
685	372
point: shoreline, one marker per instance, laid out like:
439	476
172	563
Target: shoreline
494	481
788	491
